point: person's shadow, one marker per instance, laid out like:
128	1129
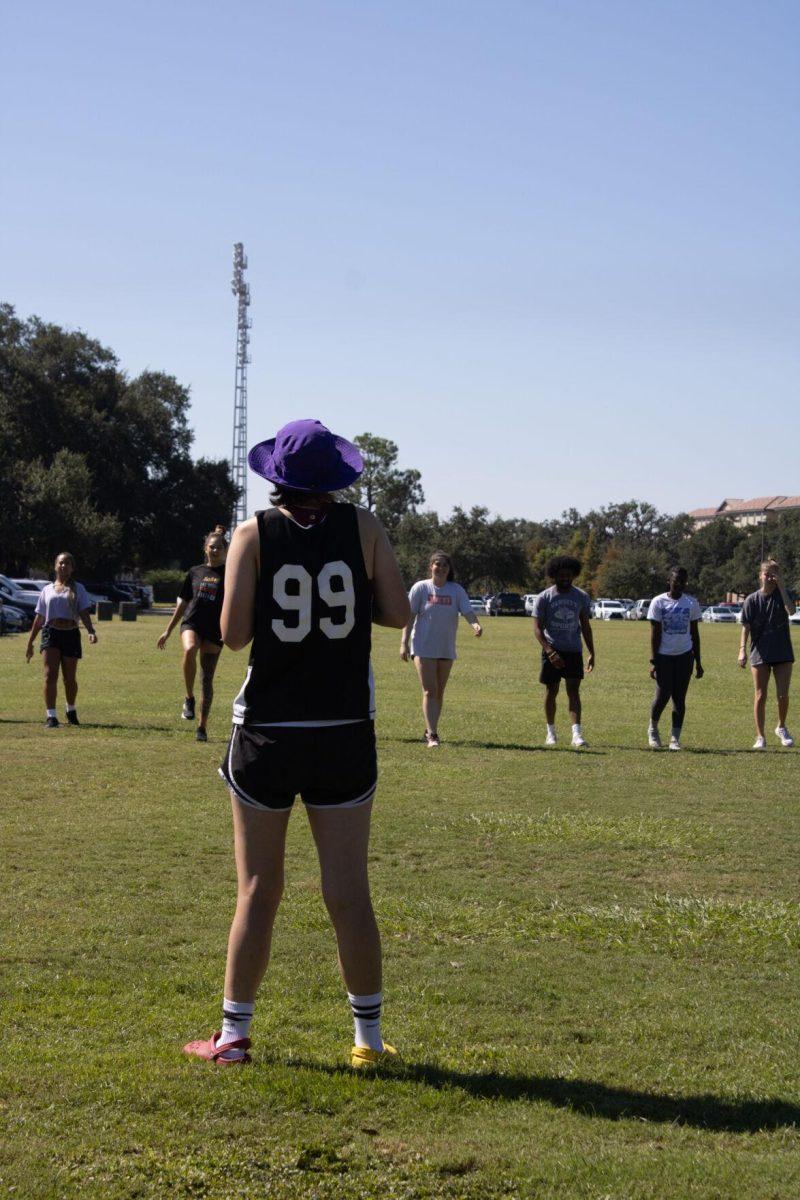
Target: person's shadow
589	1098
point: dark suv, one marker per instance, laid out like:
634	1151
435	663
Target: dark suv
506	604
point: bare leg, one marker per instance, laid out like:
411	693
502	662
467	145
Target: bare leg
191	644
426	669
443	668
574	700
760	684
782	673
69	670
342	838
550	702
52	664
209	657
260	842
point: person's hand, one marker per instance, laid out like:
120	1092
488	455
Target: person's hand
590	664
555	660
742	659
652	671
162	641
699	673
29	652
404	651
92	639
478	630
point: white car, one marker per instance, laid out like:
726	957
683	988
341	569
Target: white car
609	610
639	611
794	619
720	614
476	604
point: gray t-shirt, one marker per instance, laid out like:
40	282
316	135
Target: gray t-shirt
770	637
559	613
435	613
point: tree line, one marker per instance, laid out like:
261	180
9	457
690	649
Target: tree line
100	464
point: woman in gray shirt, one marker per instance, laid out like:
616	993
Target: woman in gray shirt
765	620
436	604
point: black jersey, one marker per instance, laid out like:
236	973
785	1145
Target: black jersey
204	590
310	659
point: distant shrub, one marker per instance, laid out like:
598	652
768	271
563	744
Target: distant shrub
166	585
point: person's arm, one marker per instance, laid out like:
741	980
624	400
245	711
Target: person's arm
237	622
655	644
389	599
588	637
791	607
86	616
695	629
38	622
468	613
180	608
550	652
743	645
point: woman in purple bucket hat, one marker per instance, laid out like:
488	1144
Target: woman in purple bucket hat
304	581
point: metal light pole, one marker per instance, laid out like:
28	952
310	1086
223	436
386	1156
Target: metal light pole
241	290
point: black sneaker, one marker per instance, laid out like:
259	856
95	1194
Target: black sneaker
72	717
200	735
187	713
52	722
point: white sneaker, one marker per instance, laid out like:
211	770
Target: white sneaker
550	740
579	740
760	743
653	740
783	736
674	744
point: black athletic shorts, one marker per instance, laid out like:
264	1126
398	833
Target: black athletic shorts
68	641
334	766
203	633
572	669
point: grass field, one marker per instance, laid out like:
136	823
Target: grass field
590	956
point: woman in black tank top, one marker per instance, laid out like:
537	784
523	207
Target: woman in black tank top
304	582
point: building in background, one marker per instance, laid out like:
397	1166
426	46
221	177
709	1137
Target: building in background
745	513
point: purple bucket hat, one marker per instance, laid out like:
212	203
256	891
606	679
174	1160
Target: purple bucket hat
306	456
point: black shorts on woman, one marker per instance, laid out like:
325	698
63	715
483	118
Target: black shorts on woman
66	641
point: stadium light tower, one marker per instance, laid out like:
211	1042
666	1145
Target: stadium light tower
241	290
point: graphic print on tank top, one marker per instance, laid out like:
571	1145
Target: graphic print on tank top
310	658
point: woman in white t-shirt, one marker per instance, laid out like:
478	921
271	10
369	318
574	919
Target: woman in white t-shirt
674	652
435	607
58	609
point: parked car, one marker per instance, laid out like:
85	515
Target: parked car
794	619
34	586
639	611
505	604
477	604
529	600
11	594
112	591
15	620
719	613
609	610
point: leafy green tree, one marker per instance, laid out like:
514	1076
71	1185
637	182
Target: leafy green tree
383	488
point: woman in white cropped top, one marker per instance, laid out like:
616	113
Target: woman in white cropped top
58	609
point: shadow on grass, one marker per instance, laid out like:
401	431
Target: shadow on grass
591	1099
476	745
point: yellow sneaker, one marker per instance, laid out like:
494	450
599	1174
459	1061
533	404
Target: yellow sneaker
362	1056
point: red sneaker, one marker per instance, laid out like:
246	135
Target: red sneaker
210	1050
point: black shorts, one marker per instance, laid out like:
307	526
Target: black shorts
206	636
572	669
68	641
334	766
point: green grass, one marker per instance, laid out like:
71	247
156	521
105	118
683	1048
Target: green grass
590	957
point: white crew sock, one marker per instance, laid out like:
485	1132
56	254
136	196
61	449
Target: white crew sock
367	1019
236	1018
552	730
71	708
51	712
577	731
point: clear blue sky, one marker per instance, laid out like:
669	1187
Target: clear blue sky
550	248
